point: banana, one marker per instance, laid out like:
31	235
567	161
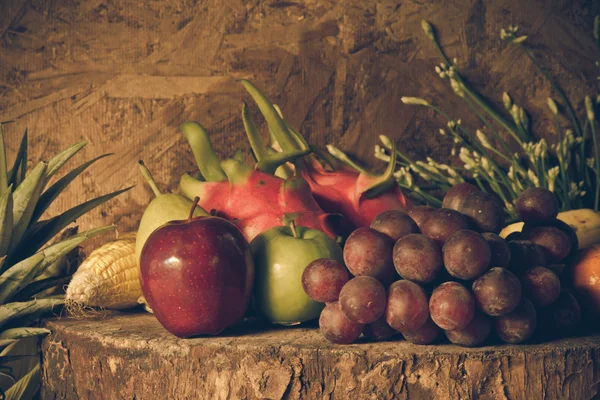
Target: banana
585	222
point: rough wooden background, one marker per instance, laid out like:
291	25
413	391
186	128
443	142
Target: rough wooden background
123	74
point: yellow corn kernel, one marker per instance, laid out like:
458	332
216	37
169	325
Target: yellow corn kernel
109	277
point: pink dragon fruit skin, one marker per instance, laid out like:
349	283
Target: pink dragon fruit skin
344	191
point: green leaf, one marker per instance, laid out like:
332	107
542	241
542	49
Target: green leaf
53	191
13	177
3	175
27	386
206	159
6	220
56	162
25	197
19	276
15	310
6	342
41	232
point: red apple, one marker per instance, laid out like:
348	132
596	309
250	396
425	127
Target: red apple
197	275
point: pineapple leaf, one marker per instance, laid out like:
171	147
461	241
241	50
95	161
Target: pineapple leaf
6	342
22	309
41	232
56	162
3	175
36	287
19	276
6	221
20	333
23	273
25	197
27	386
13	176
53	191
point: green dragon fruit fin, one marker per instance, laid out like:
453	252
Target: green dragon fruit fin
238	155
274	121
256	142
237	172
190	187
384	181
206	159
270	163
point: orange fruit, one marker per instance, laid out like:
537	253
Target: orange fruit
585	277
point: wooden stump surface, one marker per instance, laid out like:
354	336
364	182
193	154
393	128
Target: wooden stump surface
130	356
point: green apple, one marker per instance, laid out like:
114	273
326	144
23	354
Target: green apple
280	256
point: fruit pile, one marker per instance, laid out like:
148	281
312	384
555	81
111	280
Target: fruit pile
457	275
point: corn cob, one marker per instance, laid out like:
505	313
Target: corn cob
108	278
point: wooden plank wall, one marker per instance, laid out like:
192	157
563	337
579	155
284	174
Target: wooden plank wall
123	74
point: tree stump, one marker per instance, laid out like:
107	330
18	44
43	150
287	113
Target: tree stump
130	356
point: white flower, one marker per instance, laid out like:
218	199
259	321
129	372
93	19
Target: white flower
533	178
483	139
589	108
591	162
442	132
552	106
428	29
457	87
414	101
506	100
386	141
552	174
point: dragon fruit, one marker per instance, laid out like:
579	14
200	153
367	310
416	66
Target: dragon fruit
349	190
254	199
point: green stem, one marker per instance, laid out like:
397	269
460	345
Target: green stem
293	228
148	176
489	126
563	173
558	90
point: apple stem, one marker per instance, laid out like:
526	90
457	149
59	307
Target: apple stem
148	176
195	201
293	228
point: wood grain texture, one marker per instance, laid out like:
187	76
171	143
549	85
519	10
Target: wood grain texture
132	356
123	74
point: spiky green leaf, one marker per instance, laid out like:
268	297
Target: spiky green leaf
6	220
25	197
26	387
19	276
3	166
41	232
53	191
15	310
20	333
14	175
23	273
36	287
56	162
